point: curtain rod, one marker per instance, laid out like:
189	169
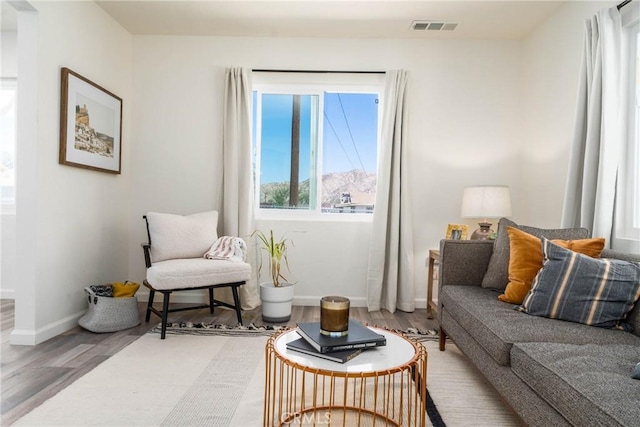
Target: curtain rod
260	70
623	4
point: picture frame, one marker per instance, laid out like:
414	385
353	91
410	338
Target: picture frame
90	125
457	232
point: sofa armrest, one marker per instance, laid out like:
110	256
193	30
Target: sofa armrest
624	256
464	262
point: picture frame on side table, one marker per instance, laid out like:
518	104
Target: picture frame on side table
90	125
457	232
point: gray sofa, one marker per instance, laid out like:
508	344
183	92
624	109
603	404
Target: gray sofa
551	372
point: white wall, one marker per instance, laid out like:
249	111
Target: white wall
8	69
551	56
73	224
8	273
8	54
464	129
481	112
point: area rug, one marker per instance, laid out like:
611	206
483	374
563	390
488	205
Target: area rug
218	380
190	328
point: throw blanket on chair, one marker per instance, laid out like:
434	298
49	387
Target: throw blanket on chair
229	248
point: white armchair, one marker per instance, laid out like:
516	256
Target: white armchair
175	260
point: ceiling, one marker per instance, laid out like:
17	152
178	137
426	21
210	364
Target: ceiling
323	18
477	19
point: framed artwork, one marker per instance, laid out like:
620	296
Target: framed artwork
90	125
457	231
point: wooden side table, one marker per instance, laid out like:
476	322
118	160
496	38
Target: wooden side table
434	258
382	386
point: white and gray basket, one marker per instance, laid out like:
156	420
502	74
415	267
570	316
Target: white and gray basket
107	314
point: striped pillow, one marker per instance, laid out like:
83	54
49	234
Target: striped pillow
574	287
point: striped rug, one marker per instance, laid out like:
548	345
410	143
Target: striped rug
190	328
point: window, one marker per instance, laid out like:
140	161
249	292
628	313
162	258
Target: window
627	232
8	98
316	142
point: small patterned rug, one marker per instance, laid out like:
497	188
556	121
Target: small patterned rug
190	328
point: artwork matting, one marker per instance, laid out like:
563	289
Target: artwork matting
90	125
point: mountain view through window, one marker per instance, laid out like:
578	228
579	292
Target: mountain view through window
316	151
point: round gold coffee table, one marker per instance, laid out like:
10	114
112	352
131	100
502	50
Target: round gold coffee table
381	386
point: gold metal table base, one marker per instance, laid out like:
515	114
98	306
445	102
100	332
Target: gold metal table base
381	394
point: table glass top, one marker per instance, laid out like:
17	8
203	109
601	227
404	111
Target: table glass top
396	353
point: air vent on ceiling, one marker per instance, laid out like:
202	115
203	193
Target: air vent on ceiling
433	26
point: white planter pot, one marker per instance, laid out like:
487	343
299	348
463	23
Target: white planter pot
276	302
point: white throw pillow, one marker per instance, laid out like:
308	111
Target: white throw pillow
179	236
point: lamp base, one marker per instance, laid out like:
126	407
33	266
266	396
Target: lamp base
482	233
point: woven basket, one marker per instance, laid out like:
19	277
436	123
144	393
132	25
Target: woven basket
108	314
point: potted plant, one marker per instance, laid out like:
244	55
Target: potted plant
277	294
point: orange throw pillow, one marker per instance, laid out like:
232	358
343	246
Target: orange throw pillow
525	260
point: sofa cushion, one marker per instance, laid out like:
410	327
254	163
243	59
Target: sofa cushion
623	256
497	275
589	384
525	260
574	287
633	319
497	325
181	236
522	399
195	273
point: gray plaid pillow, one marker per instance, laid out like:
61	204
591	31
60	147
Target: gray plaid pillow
497	275
577	288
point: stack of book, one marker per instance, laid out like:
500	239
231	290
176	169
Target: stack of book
339	349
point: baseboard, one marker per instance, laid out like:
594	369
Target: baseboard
421	302
197	297
34	337
355	301
315	300
7	294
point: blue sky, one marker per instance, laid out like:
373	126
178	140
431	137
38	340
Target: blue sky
350	143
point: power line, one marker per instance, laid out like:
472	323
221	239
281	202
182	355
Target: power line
338	138
350	134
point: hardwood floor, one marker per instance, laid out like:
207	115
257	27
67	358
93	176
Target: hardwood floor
32	374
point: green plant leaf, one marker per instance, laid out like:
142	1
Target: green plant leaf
277	251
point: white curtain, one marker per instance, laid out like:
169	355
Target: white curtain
390	270
597	143
237	185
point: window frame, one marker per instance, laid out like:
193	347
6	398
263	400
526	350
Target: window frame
303	83
626	234
9	207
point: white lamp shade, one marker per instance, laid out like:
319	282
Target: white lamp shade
486	202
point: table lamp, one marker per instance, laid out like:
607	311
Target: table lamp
485	202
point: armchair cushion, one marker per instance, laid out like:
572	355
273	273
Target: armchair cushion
177	236
195	272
